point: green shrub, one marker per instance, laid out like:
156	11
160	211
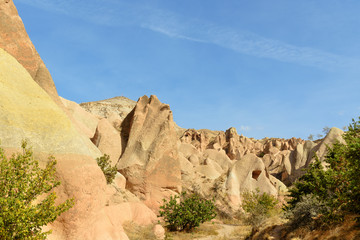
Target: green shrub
22	181
338	186
186	212
258	207
104	164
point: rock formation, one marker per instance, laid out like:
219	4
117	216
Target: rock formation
248	174
114	109
85	122
283	158
155	158
108	140
15	40
150	161
27	112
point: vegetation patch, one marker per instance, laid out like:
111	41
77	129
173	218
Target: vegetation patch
334	188
22	183
258	208
186	212
204	230
104	164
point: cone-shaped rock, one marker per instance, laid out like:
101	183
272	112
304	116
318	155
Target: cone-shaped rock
150	161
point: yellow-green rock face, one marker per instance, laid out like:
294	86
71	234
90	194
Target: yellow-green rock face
15	41
28	112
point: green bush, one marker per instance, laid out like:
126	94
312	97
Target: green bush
338	186
22	181
258	207
104	164
186	212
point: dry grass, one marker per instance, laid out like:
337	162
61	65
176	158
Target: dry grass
205	229
240	232
137	232
231	221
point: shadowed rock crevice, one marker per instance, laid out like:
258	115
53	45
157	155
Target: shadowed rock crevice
125	130
256	174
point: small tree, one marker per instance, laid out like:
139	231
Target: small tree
326	130
22	181
311	137
186	212
104	164
258	207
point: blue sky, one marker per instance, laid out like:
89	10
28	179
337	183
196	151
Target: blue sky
268	68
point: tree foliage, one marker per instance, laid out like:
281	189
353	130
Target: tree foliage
338	184
104	164
22	182
311	137
186	212
258	207
326	130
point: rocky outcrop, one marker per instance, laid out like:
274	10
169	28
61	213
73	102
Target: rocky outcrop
85	122
150	161
283	158
108	140
333	136
15	40
200	139
114	109
288	165
28	112
248	174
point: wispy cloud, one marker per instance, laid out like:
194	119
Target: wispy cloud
251	44
245	128
115	13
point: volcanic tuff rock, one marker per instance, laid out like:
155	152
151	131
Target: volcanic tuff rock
27	112
248	174
156	157
85	121
284	158
114	109
15	40
108	140
150	161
